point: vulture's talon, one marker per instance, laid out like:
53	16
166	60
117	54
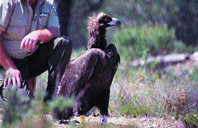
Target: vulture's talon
104	120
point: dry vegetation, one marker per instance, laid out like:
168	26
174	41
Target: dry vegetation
135	94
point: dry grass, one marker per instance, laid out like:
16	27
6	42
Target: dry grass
144	92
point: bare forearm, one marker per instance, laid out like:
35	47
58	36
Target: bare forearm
45	35
13	75
5	60
48	34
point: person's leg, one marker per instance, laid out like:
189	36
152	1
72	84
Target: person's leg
53	56
32	85
57	62
33	65
37	63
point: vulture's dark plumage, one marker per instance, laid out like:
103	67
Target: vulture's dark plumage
88	77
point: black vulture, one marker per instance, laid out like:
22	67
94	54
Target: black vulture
88	77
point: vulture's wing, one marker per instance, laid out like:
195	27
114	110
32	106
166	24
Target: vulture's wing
79	71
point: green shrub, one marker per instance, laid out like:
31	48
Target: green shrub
19	112
16	107
135	42
61	107
134	111
61	103
191	119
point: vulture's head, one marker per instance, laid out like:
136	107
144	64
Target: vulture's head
97	29
107	21
102	20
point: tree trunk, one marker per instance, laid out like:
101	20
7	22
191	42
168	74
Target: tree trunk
63	8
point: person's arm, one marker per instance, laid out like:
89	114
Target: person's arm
44	35
48	34
5	61
13	75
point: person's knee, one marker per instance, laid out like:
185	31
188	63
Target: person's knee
66	42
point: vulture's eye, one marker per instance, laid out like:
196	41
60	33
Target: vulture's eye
107	19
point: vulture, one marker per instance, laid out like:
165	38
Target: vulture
88	77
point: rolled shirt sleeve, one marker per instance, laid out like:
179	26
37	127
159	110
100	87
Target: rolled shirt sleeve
53	18
6	9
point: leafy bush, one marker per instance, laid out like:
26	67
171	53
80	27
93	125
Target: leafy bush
179	14
191	119
61	107
141	41
61	103
16	107
20	112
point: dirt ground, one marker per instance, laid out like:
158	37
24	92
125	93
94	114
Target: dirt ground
121	122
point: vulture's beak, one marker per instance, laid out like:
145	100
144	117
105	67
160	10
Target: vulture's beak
114	22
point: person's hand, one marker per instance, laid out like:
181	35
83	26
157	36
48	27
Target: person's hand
29	41
13	76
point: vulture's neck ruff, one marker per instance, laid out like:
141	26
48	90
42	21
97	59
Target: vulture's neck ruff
97	30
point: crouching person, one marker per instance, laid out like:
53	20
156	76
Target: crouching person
30	43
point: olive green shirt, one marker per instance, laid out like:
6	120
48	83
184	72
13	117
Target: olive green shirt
17	20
